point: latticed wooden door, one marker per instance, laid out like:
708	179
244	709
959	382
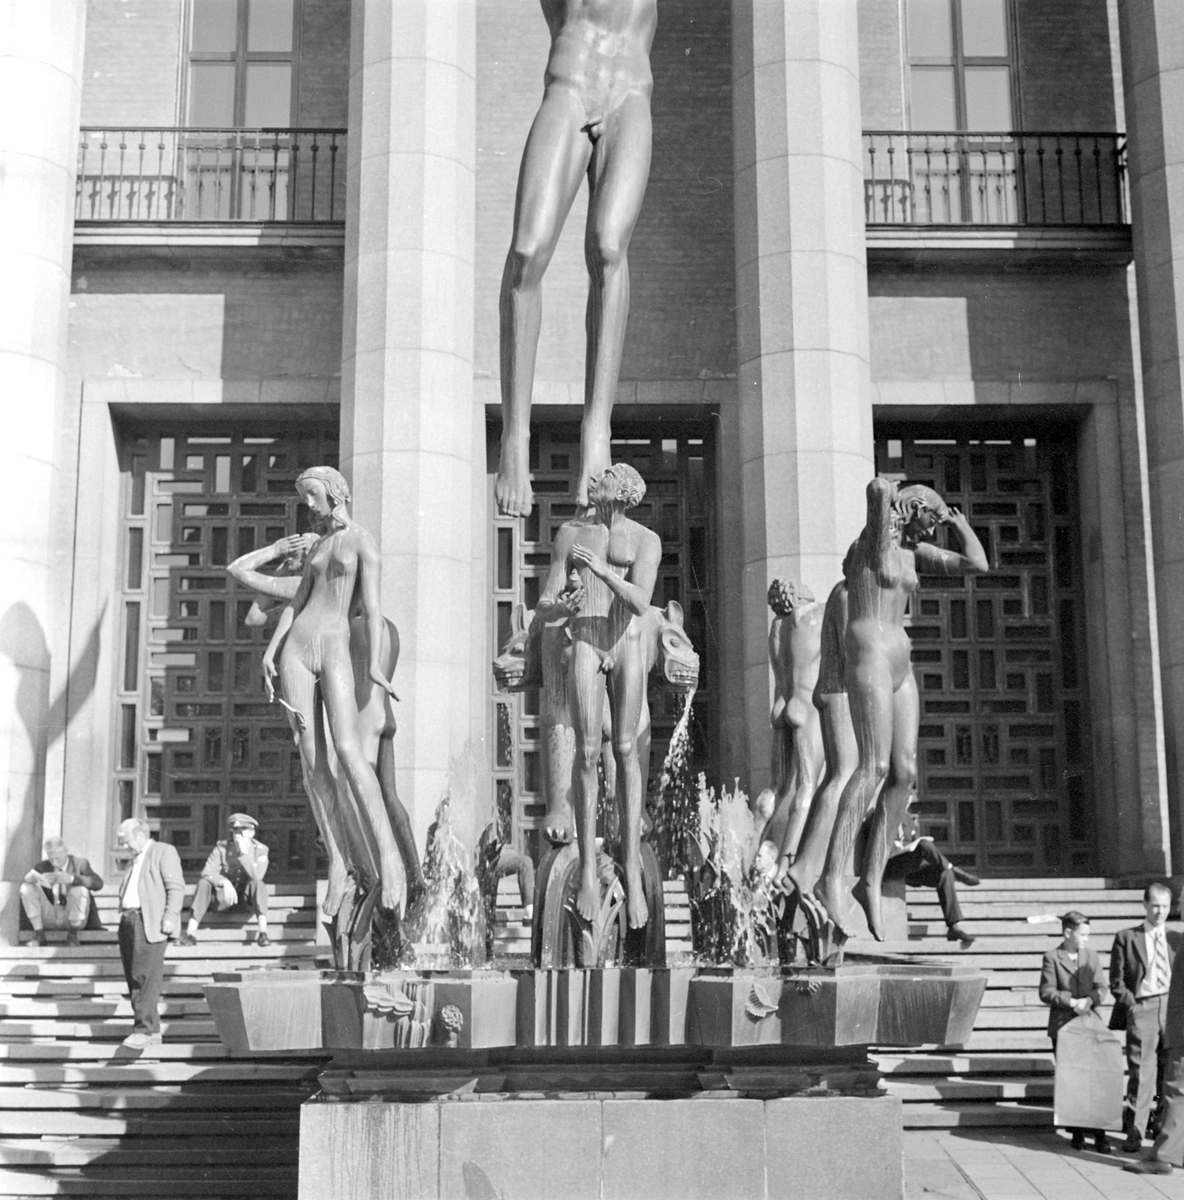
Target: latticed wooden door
1000	658
678	468
197	738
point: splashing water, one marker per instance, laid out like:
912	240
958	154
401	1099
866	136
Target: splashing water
675	808
445	927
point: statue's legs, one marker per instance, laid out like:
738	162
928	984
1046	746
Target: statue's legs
337	689
626	696
781	781
587	689
894	799
842	757
617	175
808	764
553	163
558	739
298	687
870	694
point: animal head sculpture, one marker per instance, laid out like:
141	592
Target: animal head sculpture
519	666
675	656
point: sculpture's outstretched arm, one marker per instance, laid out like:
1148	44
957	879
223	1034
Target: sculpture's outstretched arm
933	560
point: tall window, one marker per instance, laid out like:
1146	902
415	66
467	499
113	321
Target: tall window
960	65
242	56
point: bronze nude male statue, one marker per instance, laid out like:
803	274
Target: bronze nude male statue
594	120
615	561
795	651
881	572
316	674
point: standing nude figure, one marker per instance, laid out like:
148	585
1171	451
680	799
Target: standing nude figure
795	644
616	561
595	121
317	679
881	573
376	718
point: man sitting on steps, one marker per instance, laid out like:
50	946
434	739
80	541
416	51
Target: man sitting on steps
234	874
56	894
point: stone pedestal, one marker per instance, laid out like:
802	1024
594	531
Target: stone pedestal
602	1149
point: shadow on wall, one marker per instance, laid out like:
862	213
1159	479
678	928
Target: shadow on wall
23	644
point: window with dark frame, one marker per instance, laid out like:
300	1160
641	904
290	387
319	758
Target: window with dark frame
961	65
242	64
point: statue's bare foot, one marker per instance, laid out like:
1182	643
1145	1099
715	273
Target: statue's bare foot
588	898
636	909
511	490
595	457
335	892
867	896
835	904
559	826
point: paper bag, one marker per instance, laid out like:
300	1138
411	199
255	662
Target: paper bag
1089	1084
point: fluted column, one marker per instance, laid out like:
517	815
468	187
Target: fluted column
1152	37
800	439
407	417
40	73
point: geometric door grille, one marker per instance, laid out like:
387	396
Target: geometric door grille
1003	755
677	464
196	737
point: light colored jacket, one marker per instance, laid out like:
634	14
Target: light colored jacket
162	888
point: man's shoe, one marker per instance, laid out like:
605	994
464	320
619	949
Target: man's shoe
1078	1139
138	1041
1102	1144
72	938
263	940
38	939
1149	1166
1132	1143
966	877
956	933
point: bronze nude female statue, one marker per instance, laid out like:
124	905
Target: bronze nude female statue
317	680
881	572
594	121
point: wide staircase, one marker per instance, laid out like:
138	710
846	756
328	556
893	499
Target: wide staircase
1004	1075
82	1116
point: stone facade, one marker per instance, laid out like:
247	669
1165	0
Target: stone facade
758	300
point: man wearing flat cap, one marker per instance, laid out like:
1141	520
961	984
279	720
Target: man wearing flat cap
233	878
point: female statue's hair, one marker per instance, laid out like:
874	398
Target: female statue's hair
335	485
913	498
786	594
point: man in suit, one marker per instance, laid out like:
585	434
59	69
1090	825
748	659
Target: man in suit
1141	969
55	894
1168	1151
149	914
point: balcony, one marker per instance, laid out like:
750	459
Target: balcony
1016	179
212	181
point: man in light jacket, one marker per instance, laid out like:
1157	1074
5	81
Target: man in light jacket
149	914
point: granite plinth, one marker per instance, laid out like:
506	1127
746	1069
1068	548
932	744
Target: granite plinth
612	1148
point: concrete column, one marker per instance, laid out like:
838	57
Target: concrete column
1152	35
407	372
801	437
40	72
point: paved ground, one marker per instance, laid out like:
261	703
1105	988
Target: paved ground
1015	1164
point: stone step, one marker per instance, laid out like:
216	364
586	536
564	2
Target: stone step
225	1182
294	947
974	907
110	1052
111	1152
33	1099
293	930
936	1062
936	1115
185	1029
964	1088
141	1072
79	989
99	963
152	1124
93	1010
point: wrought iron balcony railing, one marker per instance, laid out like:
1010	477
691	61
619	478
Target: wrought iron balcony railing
995	178
211	175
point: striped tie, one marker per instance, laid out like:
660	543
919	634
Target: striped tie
1160	975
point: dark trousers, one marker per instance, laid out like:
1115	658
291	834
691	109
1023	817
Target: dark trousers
1146	1058
927	866
143	967
251	894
